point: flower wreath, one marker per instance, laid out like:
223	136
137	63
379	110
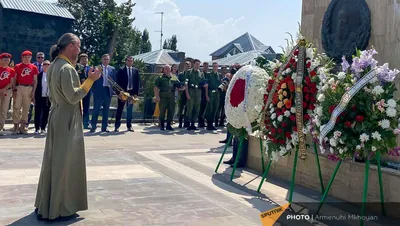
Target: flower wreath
281	125
244	99
369	122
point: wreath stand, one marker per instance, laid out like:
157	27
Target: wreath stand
294	173
238	154
365	190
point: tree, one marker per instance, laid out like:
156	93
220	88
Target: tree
146	44
171	43
105	27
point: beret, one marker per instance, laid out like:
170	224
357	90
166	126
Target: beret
5	55
26	53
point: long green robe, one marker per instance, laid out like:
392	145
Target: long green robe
62	189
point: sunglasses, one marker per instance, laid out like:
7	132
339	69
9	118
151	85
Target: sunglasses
39	57
46	64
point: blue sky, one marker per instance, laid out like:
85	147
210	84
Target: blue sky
204	26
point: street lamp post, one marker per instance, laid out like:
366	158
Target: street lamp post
161	31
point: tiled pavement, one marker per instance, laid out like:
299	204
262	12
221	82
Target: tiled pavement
147	177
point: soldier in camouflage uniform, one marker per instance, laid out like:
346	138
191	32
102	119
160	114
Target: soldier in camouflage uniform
212	96
182	96
165	94
203	101
193	93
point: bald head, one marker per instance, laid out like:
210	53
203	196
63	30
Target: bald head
167	69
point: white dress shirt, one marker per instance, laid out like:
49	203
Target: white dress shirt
45	89
105	75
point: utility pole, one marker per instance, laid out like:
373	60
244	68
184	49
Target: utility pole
161	31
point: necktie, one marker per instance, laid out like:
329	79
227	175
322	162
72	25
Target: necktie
129	79
40	67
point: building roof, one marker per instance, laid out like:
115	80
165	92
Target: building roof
245	58
38	7
245	43
161	56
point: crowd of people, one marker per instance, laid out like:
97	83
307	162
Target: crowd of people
192	95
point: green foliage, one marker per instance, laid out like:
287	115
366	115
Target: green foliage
145	45
171	43
105	27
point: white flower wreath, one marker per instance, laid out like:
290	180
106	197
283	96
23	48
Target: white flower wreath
245	97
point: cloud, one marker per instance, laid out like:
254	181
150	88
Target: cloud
197	36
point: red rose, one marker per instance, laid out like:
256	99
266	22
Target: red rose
284	124
287	135
296	52
306	89
354	107
282	142
271	82
307	117
347	124
338	119
307	97
308	80
287	66
313	73
280	130
295	65
295	129
311	107
359	118
292	60
305	105
308	65
293	118
279	113
331	108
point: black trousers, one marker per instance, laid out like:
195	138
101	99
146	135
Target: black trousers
42	108
220	117
129	109
243	155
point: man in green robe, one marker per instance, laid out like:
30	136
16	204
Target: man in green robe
212	96
62	189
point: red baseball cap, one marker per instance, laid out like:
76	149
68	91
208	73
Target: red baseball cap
5	55
26	53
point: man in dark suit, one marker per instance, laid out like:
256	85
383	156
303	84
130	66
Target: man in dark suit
102	93
42	103
128	79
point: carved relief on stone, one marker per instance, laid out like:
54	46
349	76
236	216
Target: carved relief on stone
346	27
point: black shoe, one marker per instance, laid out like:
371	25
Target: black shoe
186	125
230	161
169	127
223	141
238	165
200	125
131	130
116	130
105	130
92	130
180	125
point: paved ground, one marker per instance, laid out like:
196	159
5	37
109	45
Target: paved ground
147	177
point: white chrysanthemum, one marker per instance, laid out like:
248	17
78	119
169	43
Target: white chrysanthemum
310	53
358	147
294	75
325	87
318	111
257	81
373	80
331	150
364	138
391	112
377	136
373	148
341	151
337	134
293	110
273	116
280	118
272	110
385	124
274	156
378	90
331	81
391	103
321	97
341	75
333	142
287	113
322	149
